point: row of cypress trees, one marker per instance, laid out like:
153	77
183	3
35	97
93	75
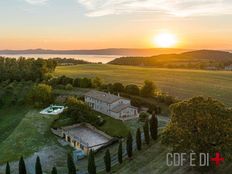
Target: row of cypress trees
38	167
150	129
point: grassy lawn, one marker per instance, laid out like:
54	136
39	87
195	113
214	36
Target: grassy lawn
32	133
10	117
113	127
177	82
74	92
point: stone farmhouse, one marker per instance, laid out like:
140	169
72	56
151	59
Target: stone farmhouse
228	68
111	105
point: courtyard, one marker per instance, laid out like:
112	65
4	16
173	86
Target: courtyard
86	137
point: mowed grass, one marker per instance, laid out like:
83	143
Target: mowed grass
9	120
113	127
32	133
177	82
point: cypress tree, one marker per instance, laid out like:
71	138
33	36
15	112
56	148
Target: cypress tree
7	168
146	132
22	166
54	171
38	167
91	163
107	160
154	127
71	164
129	147
138	139
120	152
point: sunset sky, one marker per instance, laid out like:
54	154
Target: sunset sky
92	24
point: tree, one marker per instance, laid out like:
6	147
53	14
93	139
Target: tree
63	80
22	166
154	126
138	139
143	116
54	170
25	69
71	164
85	83
38	167
79	111
132	89
199	125
148	89
7	168
129	145
146	132
77	82
91	163
107	160
40	95
97	82
118	87
120	152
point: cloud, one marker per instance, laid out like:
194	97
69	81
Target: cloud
180	8
34	2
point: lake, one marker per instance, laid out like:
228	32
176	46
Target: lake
89	58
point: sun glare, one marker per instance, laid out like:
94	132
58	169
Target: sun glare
165	40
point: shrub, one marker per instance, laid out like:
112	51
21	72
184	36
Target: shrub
69	87
100	121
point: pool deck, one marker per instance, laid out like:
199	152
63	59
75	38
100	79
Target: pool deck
54	112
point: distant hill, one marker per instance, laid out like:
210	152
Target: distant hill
200	59
109	51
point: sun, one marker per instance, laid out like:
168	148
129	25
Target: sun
165	40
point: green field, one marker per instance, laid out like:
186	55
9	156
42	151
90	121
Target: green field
25	131
177	82
30	133
9	120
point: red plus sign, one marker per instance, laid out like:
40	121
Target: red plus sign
217	159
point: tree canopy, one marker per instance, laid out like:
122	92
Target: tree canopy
199	125
132	89
25	69
80	111
148	89
40	95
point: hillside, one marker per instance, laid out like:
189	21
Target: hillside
201	59
181	83
107	51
